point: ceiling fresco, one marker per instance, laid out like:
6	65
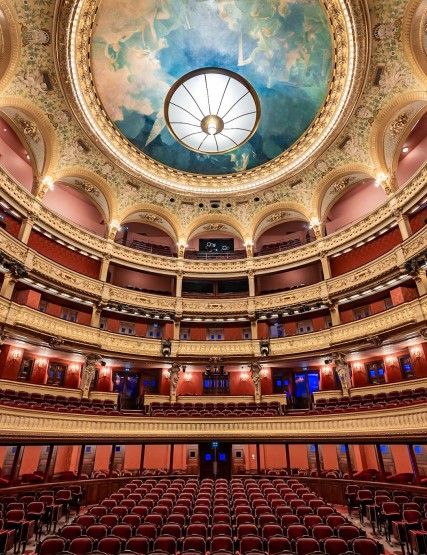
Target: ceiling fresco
282	47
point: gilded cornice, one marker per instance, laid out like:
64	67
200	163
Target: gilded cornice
349	24
35	323
412	32
405	422
10	52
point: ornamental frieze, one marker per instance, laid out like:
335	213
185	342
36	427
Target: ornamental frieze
408	421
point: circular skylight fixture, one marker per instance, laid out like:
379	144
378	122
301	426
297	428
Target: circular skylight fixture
212	110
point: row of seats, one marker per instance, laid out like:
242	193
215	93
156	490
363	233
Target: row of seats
357	403
392	513
151	291
47	398
215	409
163	250
217	516
23	519
280	246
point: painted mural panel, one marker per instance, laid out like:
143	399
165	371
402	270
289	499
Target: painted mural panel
282	47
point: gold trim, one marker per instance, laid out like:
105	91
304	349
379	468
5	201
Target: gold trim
10	53
339	103
402	422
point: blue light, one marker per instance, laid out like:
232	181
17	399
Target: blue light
214	444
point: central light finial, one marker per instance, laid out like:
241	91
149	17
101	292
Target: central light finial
212	110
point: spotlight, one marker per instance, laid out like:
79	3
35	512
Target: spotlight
166	347
264	347
328	361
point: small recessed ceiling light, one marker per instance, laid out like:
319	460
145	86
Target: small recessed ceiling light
28	156
405	149
5	129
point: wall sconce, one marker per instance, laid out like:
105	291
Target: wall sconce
166	374
263	373
381	179
16	354
187	377
105	372
390	361
244	377
357	366
326	371
74	368
416	352
40	362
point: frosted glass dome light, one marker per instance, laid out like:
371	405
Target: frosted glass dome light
212	110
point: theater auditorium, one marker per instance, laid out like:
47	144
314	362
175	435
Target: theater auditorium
213	290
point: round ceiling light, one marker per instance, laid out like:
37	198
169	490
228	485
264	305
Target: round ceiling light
212	110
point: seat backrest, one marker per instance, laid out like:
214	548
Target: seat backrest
84	544
138	544
71	531
335	546
52	545
110	545
97	531
365	546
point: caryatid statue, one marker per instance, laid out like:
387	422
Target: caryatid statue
88	373
256	378
174	373
343	370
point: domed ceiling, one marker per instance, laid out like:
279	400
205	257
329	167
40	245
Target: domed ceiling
305	60
282	48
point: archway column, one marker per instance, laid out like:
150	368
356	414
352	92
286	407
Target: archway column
8	285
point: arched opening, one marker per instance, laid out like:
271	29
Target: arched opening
215	241
413	154
146	237
14	156
284	236
361	199
76	207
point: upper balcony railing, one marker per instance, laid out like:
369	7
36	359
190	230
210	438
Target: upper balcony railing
161	250
292	241
201	255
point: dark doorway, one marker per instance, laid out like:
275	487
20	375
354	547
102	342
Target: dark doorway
215	460
127	386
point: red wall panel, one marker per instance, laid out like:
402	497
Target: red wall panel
28	297
365	253
418	220
198	334
62	255
12	226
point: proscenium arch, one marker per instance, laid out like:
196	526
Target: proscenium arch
10	49
284	206
411	38
192	229
45	127
126	216
381	125
332	177
76	172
